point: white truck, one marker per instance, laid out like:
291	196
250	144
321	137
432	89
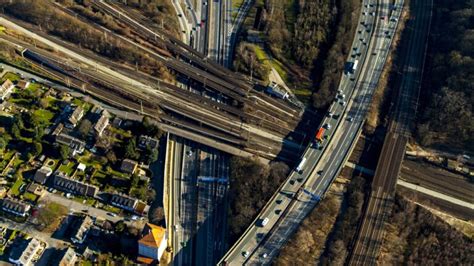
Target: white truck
354	66
300	166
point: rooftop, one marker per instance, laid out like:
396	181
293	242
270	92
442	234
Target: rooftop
154	236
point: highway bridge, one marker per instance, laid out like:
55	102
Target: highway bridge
288	206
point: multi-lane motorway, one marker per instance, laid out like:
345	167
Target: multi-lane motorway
301	191
199	183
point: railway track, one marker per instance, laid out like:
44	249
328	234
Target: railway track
255	109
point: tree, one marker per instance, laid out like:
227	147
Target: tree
134	180
151	155
140	193
37	148
16	131
131	149
84	127
64	152
39	133
3	143
111	156
120	227
43	103
157	215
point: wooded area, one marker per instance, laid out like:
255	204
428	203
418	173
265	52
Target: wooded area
247	62
43	14
447	94
314	35
417	237
307	244
251	185
161	12
337	247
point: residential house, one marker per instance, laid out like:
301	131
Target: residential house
142	208
124	202
6	89
58	129
81	229
68	258
147	141
35	189
101	123
64	183
42	174
77	146
152	244
26	253
81	167
129	166
23	84
15	207
75	117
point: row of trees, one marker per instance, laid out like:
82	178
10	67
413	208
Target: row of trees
44	14
251	185
447	94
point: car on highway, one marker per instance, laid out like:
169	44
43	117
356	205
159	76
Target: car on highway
264	222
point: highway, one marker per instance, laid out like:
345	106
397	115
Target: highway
301	191
199	202
370	234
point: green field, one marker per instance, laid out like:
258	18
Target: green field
68	169
30	196
11	76
15	190
44	116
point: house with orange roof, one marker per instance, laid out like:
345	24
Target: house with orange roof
152	244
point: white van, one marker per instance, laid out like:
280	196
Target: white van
264	222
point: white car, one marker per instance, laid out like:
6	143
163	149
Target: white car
246	254
264	255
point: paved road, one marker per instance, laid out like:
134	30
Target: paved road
290	204
435	194
200	203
